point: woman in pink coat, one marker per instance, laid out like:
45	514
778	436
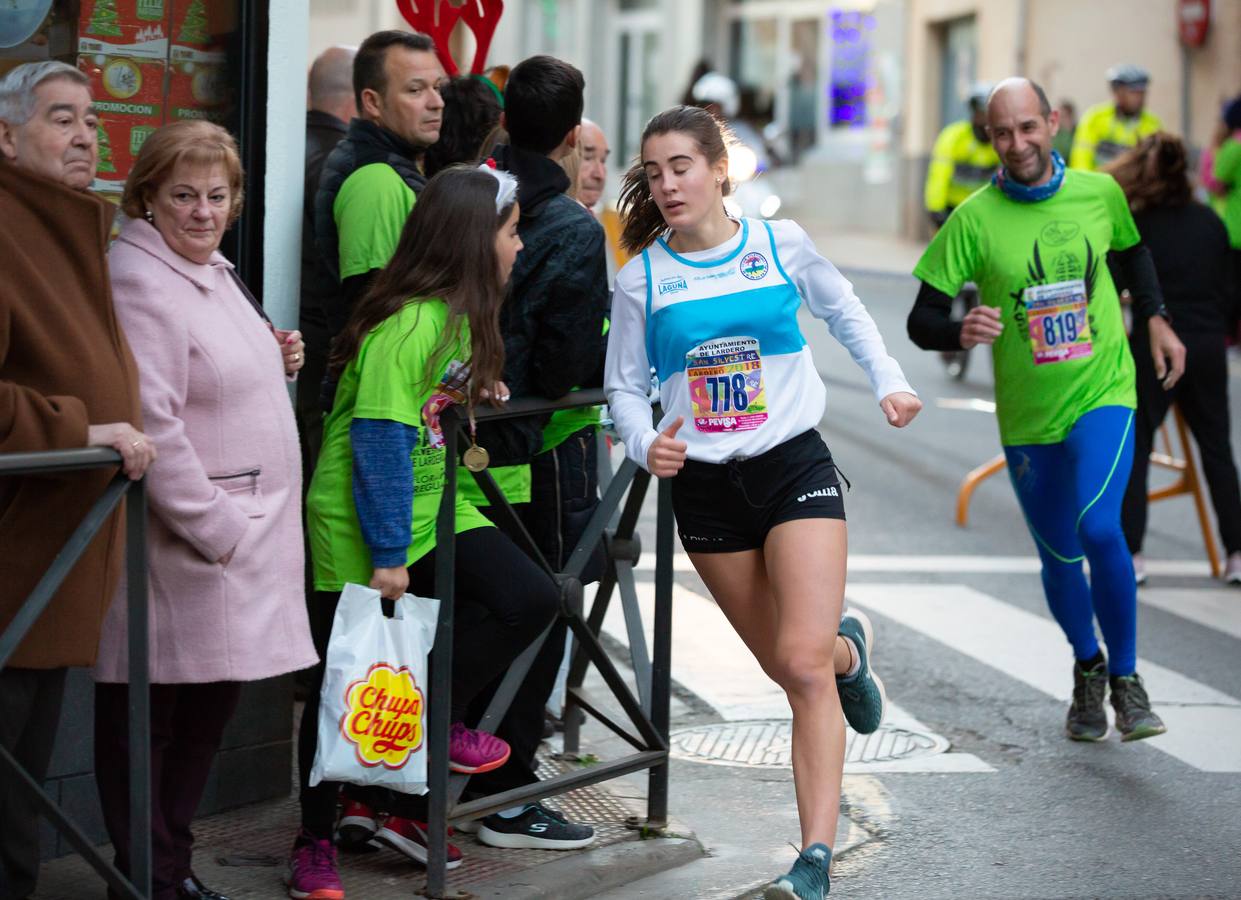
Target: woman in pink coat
224	530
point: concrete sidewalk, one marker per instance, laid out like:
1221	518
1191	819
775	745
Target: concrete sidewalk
855	251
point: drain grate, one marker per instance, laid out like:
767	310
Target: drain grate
769	744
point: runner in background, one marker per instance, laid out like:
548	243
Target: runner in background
711	303
1036	241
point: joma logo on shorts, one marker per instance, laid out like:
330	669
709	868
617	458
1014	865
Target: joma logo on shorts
821	492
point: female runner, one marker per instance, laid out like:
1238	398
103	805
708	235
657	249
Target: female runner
711	302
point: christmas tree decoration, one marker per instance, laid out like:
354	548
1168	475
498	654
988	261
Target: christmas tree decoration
193	28
103	19
105	152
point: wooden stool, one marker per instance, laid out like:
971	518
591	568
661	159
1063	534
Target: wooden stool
1189	482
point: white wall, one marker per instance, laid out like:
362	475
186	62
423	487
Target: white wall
286	154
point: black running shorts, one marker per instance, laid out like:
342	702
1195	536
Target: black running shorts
731	506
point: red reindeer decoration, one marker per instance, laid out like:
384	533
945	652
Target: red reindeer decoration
437	19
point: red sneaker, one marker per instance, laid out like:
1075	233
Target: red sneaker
409	838
357	824
472	752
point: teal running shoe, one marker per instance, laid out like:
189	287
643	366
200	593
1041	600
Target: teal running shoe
807	880
861	695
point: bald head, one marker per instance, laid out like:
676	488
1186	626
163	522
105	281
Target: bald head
594	172
331	83
1022	123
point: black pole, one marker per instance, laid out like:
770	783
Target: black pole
139	692
441	665
661	670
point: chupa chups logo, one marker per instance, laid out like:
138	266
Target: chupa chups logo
672	284
383	716
754	266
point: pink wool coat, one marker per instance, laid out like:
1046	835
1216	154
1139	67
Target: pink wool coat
216	403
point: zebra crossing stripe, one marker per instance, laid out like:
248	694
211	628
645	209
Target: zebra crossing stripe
1204	724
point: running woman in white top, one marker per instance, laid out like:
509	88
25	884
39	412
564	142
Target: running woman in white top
711	304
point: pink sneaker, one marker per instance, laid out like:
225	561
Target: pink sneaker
312	871
471	752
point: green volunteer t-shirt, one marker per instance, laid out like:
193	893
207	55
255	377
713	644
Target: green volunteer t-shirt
1228	170
370	211
1063	349
513	482
387	380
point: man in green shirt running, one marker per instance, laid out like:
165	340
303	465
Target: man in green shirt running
1035	241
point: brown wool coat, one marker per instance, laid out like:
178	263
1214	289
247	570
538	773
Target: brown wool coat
64	365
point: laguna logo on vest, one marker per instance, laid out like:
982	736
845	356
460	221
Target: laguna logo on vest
383	716
672	284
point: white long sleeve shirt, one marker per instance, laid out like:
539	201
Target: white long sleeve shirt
720	328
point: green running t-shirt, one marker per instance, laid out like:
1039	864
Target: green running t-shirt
1063	349
386	380
370	211
1228	170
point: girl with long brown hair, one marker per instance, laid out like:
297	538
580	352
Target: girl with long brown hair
711	303
426	336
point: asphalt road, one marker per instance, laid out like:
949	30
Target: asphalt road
969	652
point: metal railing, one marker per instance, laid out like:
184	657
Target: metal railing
138	885
614	521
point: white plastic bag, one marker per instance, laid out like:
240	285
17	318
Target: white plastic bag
372	712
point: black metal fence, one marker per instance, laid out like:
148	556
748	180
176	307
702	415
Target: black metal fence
138	885
614	522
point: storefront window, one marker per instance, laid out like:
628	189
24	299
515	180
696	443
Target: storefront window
148	61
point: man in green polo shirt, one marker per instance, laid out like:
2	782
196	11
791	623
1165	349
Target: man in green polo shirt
372	178
1035	241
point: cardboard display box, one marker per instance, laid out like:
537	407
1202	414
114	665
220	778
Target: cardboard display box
129	95
136	28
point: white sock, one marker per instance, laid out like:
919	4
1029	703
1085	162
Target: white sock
512	812
856	660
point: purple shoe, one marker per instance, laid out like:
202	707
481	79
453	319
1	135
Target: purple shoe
471	752
312	870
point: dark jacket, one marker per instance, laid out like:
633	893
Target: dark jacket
323	132
64	365
553	319
364	144
1189	245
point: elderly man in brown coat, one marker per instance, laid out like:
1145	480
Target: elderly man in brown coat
67	379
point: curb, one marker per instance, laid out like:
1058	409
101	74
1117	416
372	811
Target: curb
585	875
858	837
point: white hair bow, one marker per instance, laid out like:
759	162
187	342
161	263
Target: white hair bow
506	185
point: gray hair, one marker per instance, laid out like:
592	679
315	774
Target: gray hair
18	86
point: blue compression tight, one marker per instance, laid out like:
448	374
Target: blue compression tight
1071	494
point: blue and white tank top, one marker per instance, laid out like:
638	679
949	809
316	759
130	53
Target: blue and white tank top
720	329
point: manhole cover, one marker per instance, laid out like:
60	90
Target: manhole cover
769	744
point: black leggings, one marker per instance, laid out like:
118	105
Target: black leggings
1202	394
503	602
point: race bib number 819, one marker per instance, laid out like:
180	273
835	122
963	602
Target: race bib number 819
726	385
1059	323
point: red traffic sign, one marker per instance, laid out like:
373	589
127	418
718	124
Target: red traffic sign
1193	21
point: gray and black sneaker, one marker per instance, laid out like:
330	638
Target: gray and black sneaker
1134	718
1087	721
538	828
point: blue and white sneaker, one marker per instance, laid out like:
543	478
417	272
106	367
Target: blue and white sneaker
807	880
861	695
